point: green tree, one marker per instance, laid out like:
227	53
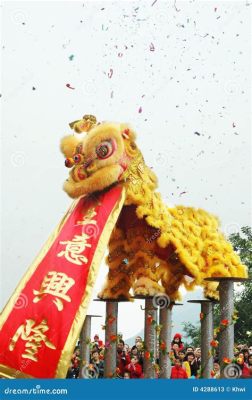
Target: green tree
242	243
193	333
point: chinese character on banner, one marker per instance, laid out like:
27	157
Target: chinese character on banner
75	248
57	284
33	336
87	219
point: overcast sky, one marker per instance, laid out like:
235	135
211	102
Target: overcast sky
179	72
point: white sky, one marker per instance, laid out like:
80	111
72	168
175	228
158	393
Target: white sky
196	79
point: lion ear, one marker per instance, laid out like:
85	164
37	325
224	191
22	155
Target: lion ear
127	132
68	145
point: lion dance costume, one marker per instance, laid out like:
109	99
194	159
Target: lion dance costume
152	248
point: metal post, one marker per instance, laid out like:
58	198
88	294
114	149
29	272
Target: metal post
110	330
206	333
226	292
165	337
84	345
206	337
150	339
226	346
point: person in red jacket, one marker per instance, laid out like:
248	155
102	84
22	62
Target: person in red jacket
123	359
245	373
134	368
178	372
177	340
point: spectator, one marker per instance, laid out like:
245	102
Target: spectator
70	372
190	357
197	353
245	355
126	348
126	375
98	364
97	341
185	364
123	359
139	354
95	347
250	364
75	360
216	369
134	351
138	340
189	349
245	372
177	371
139	346
250	349
134	368
178	340
175	348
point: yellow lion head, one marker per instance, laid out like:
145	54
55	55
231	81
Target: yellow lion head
99	157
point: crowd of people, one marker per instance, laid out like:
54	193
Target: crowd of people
185	360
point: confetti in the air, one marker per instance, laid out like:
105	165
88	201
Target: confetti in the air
152	47
68	85
71	57
140	110
110	73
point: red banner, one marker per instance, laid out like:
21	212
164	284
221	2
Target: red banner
42	321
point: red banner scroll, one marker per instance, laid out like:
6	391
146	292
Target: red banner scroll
42	320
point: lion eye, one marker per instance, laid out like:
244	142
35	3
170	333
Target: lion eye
104	150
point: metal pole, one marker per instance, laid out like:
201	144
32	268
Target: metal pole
226	346
110	330
150	339
84	344
206	337
165	336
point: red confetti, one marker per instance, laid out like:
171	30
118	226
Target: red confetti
140	110
180	194
152	47
69	86
110	74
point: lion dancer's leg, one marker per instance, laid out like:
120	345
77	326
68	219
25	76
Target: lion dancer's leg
118	281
